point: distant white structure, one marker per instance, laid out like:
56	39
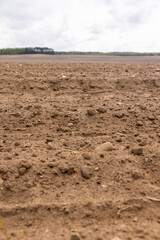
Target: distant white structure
43	50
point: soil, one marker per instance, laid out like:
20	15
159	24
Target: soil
78	58
80	151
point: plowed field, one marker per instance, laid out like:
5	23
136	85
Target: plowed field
80	151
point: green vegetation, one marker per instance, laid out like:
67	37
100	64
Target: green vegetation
29	50
15	51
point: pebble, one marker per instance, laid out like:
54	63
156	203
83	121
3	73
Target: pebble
86	156
50	146
119	139
107	146
86	172
69	124
135	219
151	117
119	114
139	123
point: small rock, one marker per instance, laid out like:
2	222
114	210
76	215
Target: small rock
86	156
118	139
69	124
119	115
86	172
151	117
91	112
75	237
50	146
107	146
137	151
135	219
147	159
139	123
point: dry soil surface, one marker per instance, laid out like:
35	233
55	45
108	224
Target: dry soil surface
80	151
42	58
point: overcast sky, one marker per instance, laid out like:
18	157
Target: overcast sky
84	25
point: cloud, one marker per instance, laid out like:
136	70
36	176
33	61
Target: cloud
104	25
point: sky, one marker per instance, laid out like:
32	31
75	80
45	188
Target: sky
81	25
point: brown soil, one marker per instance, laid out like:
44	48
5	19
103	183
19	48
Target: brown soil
58	180
78	58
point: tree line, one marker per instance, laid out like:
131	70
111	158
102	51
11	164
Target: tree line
29	50
106	53
16	51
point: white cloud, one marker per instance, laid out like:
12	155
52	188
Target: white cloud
92	25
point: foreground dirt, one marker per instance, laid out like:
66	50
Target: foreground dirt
80	151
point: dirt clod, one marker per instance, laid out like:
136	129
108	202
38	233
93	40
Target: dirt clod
65	169
22	170
75	237
137	151
91	112
86	172
86	156
101	110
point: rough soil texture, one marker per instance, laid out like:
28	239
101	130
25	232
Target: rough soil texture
80	151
